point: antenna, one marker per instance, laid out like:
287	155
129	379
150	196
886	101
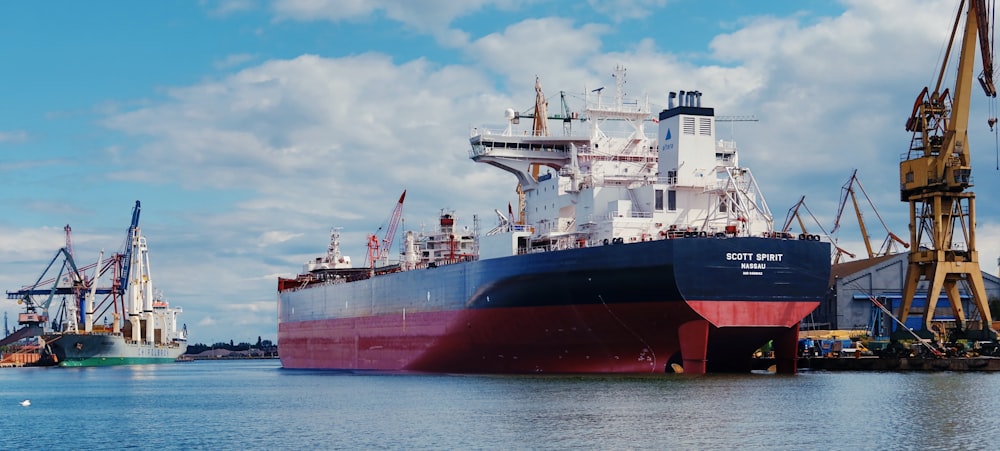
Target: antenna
733	119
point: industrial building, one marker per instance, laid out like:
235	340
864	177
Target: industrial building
849	306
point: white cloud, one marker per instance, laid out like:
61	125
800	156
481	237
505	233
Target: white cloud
423	15
620	10
15	136
230	61
228	7
275	236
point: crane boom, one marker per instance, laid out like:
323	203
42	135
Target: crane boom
540	127
794	214
69	239
850	192
935	180
380	250
129	237
390	233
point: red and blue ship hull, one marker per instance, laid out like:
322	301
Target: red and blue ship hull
703	303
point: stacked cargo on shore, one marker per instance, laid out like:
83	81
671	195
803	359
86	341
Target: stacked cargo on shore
630	252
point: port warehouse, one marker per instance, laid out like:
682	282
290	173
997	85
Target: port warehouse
849	305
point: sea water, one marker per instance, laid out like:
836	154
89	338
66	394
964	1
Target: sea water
255	404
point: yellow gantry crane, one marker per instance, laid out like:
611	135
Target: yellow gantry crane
935	179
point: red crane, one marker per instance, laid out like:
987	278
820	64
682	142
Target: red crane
380	250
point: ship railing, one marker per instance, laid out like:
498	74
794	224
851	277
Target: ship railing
518	149
493	131
784	235
637	179
632	214
445	261
671	180
726	145
628	133
487	131
457	259
595	107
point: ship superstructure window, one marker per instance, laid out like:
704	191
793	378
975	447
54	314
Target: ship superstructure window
658	200
671	200
537	147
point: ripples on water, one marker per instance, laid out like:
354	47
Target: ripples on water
258	405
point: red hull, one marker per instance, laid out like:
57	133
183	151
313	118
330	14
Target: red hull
595	338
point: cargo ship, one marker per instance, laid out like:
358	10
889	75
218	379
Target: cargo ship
630	251
149	335
115	320
103	346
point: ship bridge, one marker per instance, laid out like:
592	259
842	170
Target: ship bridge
516	154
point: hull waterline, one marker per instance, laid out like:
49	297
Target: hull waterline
84	350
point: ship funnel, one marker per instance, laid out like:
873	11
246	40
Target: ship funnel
684	98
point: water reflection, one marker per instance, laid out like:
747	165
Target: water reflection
256	405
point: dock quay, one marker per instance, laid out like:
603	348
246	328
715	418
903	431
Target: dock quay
18	356
876	363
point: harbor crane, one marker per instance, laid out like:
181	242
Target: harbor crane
936	182
71	281
37	298
850	192
69	239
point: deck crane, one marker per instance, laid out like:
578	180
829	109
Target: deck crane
540	114
935	179
540	127
794	214
849	191
119	265
122	283
378	251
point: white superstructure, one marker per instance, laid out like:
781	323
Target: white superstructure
619	182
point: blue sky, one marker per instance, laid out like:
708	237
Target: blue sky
249	128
